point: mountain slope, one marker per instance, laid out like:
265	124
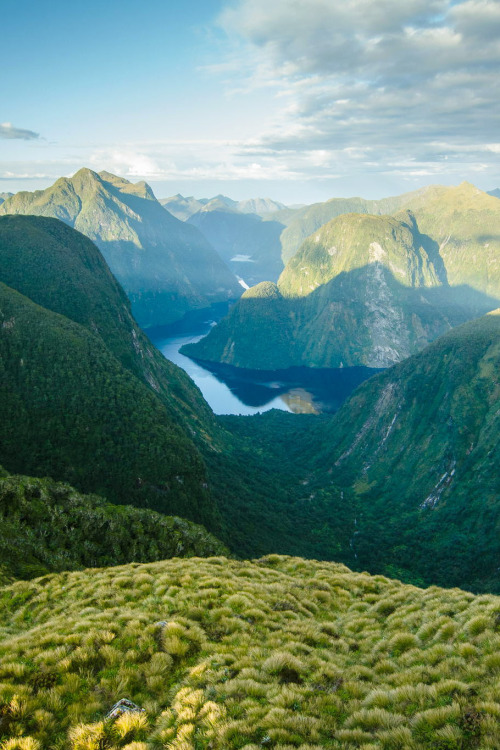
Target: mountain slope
437	209
63	271
250	246
165	266
418	447
363	290
69	410
465	223
303	222
47	526
280	652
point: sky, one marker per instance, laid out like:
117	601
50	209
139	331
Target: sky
298	100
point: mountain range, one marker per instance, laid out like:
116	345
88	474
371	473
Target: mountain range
166	267
369	290
182	208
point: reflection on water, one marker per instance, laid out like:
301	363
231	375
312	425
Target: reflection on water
231	390
300	401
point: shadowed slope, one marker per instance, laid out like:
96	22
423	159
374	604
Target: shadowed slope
47	526
70	410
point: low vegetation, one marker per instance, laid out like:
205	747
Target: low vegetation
46	526
278	653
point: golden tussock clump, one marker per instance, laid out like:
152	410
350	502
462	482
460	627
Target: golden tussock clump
217	654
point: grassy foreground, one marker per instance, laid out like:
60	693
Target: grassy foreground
277	653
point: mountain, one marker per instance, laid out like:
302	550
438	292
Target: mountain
223	654
495	193
434	200
260	206
5	196
250	246
166	267
182	208
47	526
62	270
85	397
303	222
417	446
363	290
464	222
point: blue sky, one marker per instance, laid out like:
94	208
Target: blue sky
300	100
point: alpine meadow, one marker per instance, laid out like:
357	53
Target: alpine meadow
250	375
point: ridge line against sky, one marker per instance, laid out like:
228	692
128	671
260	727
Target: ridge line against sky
298	99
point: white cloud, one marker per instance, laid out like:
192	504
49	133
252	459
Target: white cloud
382	80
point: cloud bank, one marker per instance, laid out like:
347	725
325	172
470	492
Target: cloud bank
402	87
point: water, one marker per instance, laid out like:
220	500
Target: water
232	390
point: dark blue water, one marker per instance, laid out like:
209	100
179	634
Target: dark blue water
233	390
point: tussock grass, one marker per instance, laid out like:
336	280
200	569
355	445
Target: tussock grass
280	653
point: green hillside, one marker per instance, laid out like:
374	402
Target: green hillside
417	449
465	224
451	214
363	290
71	411
165	266
281	653
402	480
63	271
46	526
